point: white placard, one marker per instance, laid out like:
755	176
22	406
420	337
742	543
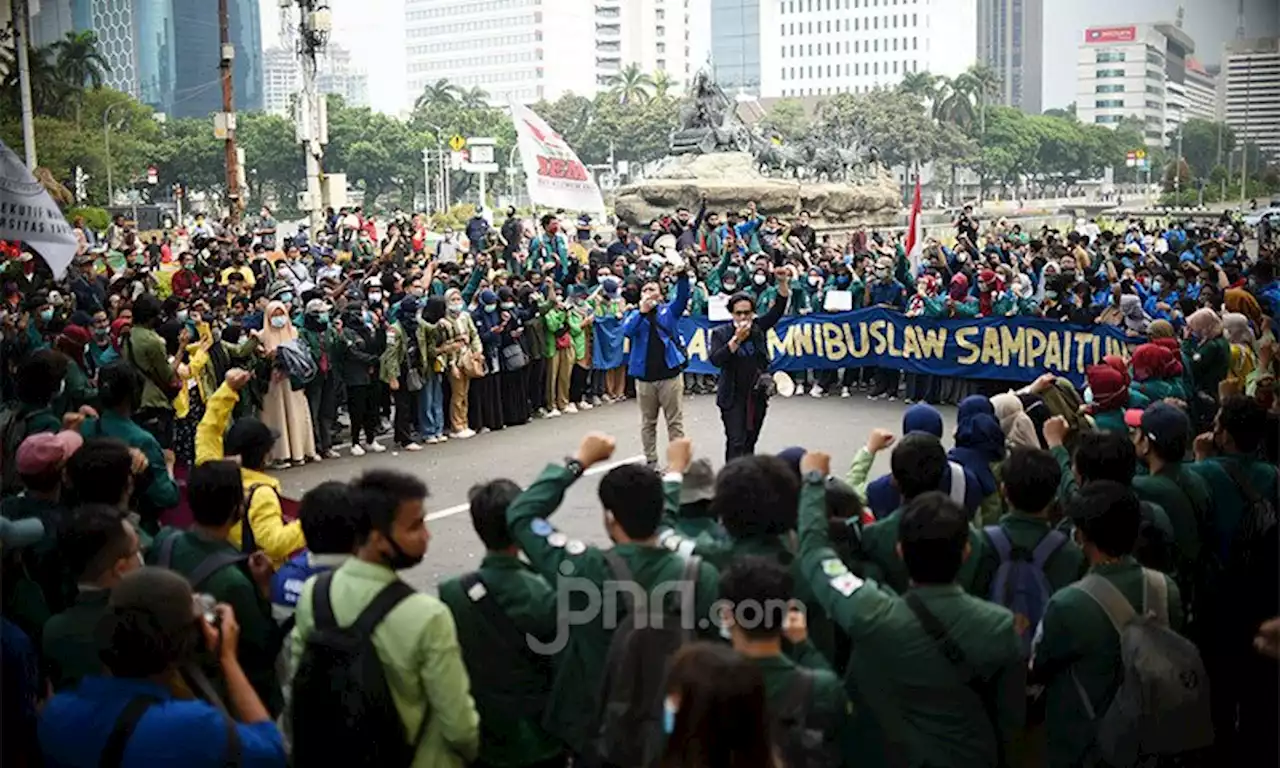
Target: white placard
718	308
838	301
556	178
28	215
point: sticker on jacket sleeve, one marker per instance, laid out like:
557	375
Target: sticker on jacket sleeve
557	539
575	547
541	527
846	584
834	567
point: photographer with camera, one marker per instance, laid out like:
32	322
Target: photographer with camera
135	715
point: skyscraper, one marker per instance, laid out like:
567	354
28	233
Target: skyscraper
1251	83
198	90
1011	42
335	74
735	45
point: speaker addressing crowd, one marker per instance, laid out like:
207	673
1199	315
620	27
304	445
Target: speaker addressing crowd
1070	577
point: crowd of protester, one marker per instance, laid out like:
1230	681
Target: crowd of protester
1069	578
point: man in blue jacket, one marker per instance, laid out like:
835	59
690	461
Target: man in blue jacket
657	357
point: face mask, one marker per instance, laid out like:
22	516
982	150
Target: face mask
101	333
286	297
400	560
729	286
455	307
46	315
323	317
814	280
375	297
668	717
279	321
208	281
490	307
882	273
182	315
507	305
759	279
1156	286
415	292
842	280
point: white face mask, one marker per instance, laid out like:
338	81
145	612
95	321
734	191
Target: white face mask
759	279
279	321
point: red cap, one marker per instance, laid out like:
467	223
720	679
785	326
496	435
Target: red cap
47	451
1133	418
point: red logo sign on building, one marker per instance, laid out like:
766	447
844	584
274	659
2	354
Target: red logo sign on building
1111	35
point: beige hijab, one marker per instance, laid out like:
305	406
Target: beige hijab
1017	425
273	337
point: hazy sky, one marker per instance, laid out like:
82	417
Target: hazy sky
1210	23
372	31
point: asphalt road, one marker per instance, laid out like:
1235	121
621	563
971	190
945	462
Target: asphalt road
837	426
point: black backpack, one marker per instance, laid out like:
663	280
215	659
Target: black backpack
803	742
207	567
633	689
13	430
342	710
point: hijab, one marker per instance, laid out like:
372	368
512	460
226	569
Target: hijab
407	313
1205	324
434	310
1241	301
958	289
1236	328
979	441
1016	424
72	342
273	337
1110	387
120	328
922	417
1154	361
1135	318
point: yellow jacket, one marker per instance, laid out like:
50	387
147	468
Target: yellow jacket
275	537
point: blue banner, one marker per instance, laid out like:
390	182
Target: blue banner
607	343
1011	348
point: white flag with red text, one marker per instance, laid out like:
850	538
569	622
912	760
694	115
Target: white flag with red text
554	175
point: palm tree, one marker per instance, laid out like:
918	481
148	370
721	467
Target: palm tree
631	85
951	102
663	84
475	98
79	62
47	87
441	92
921	86
983	86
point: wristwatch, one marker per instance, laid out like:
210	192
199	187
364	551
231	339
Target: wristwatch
574	466
814	476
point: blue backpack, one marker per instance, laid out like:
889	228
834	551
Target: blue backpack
1020	583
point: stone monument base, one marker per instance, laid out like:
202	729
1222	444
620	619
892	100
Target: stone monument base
730	180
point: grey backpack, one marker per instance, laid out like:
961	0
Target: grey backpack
1162	706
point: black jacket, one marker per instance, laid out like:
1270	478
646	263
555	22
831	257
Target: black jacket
739	372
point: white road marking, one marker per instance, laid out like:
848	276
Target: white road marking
598	469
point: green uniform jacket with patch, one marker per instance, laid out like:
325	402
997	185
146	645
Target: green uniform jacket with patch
1076	640
1065	566
880	549
162	491
259	635
151	360
510	692
574	694
926	710
828	704
1185	498
70	643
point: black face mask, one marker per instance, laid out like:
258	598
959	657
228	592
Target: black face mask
401	560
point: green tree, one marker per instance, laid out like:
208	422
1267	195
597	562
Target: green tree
921	86
78	61
787	118
439	93
475	98
1204	145
631	86
663	84
48	87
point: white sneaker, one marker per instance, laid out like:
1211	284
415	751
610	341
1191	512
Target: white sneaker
377	447
844	392
816	391
357	451
442	438
551	414
433	440
584	406
413	447
332	454
571	408
893	398
464	434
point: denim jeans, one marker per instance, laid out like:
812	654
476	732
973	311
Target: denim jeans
431	408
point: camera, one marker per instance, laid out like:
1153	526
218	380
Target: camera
208	608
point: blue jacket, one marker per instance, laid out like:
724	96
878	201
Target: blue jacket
173	733
286	584
635	327
891	293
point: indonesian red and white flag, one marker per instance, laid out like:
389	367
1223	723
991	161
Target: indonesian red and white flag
915	232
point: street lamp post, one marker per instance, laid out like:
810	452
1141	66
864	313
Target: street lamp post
443	197
106	140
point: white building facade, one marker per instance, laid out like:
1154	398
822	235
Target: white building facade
280	80
335	74
1203	100
541	49
1134	71
1251	91
820	47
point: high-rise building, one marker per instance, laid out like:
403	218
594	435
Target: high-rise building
735	45
655	35
1251	91
1202	92
1137	70
198	90
135	37
817	47
1011	42
282	78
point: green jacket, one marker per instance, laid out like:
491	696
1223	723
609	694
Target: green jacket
145	350
898	675
1184	495
77	391
1076	642
162	491
417	642
70	644
879	548
555	320
1065	566
394	357
573	706
828	703
325	341
510	688
1228	503
259	636
1208	363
